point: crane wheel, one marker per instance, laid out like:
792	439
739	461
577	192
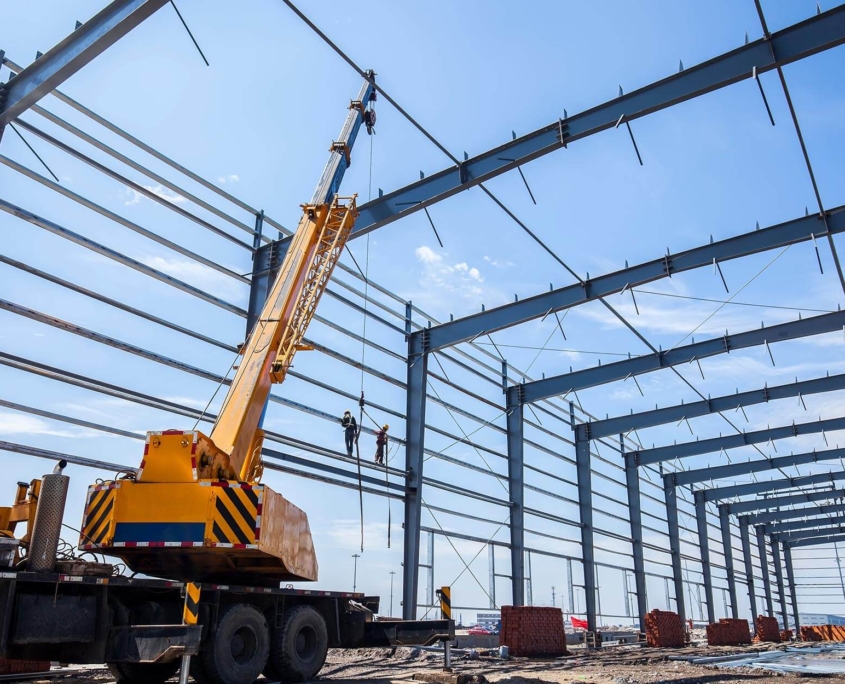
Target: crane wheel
143	673
237	651
298	648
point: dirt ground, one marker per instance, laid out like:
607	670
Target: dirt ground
615	665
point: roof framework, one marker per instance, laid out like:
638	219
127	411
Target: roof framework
802	40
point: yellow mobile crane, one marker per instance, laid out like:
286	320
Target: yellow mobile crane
195	509
215	542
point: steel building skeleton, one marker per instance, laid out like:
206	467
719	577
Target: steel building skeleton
801	40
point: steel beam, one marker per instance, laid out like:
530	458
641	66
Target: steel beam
795	42
671	498
704	548
632	481
791	232
790	577
516	489
771	485
808	524
779	577
729	402
414	458
818	541
70	55
747	559
777	516
685	477
585	507
787	537
707	446
764	566
727	550
600	375
780	501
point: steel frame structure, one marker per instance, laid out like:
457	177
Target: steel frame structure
402	319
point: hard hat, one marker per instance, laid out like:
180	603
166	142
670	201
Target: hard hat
347	413
386	427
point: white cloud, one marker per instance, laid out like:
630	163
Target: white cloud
158	191
495	263
12	423
231	178
188	401
459	279
198	275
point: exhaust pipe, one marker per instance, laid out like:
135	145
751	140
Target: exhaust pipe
47	529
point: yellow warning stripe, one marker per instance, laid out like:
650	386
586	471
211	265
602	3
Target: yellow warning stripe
235	513
98	516
190	615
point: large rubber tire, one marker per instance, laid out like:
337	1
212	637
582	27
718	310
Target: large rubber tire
298	648
238	650
144	673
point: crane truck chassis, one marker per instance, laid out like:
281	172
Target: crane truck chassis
135	625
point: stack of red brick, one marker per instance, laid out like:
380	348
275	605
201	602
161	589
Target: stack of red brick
786	635
728	632
10	667
823	633
767	629
531	631
664	629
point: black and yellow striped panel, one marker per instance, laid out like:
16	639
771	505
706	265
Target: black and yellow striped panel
235	512
98	516
192	604
446	603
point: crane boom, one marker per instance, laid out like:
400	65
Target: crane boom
194	509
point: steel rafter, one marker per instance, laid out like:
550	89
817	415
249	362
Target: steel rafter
695	409
740	507
714	444
818	541
769	486
638	365
71	54
793	43
685	477
791	232
777	516
787	537
810	523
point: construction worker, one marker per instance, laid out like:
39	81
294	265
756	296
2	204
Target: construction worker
381	444
350	429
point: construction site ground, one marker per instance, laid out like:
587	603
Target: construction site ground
611	665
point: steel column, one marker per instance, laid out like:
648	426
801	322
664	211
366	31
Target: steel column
516	490
671	497
790	577
749	564
62	61
727	550
764	566
779	577
414	453
585	507
704	547
632	481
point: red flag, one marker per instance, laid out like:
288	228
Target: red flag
577	623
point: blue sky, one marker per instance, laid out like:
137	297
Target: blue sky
259	121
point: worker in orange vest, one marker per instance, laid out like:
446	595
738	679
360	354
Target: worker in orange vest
381	444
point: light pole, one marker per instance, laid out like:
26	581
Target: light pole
391	592
355	573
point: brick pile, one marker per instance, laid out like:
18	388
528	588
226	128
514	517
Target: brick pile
12	667
663	629
531	631
767	629
786	635
823	633
728	632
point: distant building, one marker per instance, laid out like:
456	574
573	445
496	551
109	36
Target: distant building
810	619
489	621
